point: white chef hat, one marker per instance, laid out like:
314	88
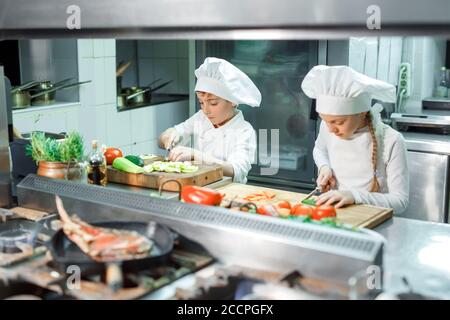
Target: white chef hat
340	90
221	78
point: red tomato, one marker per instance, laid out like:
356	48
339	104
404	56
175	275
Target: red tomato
284	212
301	210
283	205
267	210
111	154
321	212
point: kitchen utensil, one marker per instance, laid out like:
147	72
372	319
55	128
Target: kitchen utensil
66	253
366	216
205	175
139	95
315	192
20	99
47	96
121	68
24	86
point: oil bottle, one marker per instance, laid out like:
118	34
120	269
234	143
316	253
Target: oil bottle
96	173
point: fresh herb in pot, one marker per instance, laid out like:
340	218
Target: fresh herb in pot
52	150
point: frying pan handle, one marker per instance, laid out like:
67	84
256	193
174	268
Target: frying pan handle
161	186
114	276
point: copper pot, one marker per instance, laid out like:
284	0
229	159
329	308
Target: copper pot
54	170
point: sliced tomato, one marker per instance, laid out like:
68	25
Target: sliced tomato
302	210
321	212
283	205
284	212
267	210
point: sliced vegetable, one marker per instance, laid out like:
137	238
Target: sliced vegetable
260	196
321	212
201	195
284	212
309	201
301	210
136	160
171	167
283	205
148	156
267	210
126	165
111	154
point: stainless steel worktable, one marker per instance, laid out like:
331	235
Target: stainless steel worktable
420	251
417	250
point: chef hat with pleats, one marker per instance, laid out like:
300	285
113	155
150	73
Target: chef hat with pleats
221	78
340	90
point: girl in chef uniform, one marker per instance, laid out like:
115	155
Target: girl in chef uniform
359	158
219	132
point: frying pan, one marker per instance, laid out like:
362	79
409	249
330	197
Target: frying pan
66	253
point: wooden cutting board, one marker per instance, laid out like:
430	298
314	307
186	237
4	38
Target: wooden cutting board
366	216
205	175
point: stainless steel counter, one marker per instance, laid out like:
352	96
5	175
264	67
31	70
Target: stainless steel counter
420	251
427	142
416	250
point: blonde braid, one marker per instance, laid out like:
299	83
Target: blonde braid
375	186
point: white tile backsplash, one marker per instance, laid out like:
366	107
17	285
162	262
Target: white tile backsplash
99	80
110	47
118	127
110	80
99	48
86	72
85	48
143	124
146	147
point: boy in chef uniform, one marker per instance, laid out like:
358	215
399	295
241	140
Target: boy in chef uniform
219	132
360	159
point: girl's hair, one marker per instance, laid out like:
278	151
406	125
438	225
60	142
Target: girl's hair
375	186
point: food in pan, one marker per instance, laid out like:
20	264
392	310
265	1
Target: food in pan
103	244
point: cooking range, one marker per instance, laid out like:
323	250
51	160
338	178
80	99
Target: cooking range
274	258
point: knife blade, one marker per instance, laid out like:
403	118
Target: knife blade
312	193
172	145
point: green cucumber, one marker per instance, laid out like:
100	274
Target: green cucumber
136	160
310	202
126	165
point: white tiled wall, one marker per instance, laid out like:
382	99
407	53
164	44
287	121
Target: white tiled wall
133	131
96	116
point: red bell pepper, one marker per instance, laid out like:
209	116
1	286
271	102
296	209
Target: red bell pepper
201	195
